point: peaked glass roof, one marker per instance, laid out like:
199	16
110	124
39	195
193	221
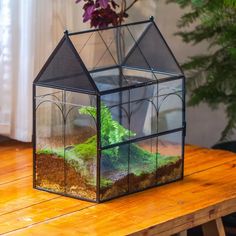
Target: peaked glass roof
110	59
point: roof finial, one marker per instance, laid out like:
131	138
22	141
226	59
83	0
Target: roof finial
151	18
66	32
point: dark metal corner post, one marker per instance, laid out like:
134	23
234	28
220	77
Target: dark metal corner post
34	134
98	118
184	122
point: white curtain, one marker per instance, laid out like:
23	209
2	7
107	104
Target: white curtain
29	30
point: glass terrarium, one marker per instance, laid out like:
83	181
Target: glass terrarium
109	114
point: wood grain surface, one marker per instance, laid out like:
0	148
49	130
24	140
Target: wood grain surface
207	192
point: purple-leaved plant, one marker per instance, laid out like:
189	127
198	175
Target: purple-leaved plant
102	13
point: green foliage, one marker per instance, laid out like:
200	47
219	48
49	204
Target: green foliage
141	161
212	75
51	151
230	3
45	151
88	149
105	182
111	131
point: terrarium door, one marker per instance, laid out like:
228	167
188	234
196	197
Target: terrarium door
65	158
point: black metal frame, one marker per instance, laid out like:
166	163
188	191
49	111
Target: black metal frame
99	95
112	27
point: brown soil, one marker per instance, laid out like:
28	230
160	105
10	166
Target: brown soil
56	175
52	173
170	172
164	174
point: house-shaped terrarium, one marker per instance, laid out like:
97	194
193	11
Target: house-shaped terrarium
109	114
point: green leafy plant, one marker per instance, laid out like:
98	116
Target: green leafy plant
111	131
51	151
212	74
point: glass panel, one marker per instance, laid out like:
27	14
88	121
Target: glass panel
66	142
117	42
143	111
169	157
134	56
115	118
114	78
138	46
136	76
109	79
131	114
170	106
107	47
48	94
111	38
172	86
65	70
137	33
80	145
162	75
154	50
114	172
49	140
143	164
96	48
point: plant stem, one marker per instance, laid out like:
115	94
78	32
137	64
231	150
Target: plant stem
122	10
127	8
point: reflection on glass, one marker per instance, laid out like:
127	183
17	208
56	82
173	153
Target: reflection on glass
169	157
80	146
143	164
115	119
49	141
66	148
114	172
170	112
143	111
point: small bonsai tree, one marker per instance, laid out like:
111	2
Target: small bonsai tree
212	75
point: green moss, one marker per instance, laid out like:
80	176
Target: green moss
45	151
166	160
86	150
51	151
105	182
141	161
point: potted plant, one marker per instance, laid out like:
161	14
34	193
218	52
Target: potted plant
102	13
212	74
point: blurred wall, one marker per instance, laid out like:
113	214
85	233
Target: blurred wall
203	125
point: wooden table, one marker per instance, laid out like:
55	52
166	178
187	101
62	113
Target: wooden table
207	193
